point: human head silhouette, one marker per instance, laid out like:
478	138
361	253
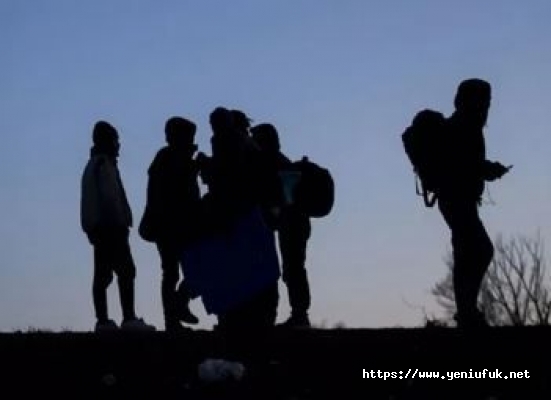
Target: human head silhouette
106	138
266	137
180	132
472	100
221	120
240	120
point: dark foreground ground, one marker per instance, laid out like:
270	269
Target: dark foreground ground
305	364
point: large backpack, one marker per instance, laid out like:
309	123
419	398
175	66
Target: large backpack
424	143
315	191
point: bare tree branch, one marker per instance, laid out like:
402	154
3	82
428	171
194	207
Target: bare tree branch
515	290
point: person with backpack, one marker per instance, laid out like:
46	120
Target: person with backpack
460	195
106	219
171	215
293	226
455	173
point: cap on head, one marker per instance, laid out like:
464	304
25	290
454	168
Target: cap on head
266	136
103	133
240	119
473	92
180	130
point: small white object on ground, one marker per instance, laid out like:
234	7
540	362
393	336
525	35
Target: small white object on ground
109	379
219	370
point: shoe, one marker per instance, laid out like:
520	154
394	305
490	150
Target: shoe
185	315
106	326
176	328
137	325
296	321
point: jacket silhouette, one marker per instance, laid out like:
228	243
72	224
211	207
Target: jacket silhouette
103	202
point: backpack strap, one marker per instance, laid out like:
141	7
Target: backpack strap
429	197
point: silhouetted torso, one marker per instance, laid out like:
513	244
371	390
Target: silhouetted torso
173	192
104	205
238	176
465	160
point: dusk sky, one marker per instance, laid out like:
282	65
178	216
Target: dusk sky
339	79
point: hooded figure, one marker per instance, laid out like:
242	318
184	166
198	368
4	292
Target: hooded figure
106	219
466	170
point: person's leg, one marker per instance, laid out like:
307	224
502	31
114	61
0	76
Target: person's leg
233	320
103	276
169	280
181	294
258	312
126	273
455	215
480	259
183	298
472	254
293	239
267	306
245	327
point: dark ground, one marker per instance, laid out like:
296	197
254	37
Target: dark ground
301	364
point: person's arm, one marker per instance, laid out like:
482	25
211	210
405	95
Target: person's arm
204	165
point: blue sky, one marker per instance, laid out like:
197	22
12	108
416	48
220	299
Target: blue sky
339	79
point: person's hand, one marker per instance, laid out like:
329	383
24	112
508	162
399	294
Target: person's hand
496	170
203	163
201	157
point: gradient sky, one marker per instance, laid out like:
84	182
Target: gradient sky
339	79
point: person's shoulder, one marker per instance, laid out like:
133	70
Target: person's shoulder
284	159
455	121
98	167
89	166
164	153
452	127
98	160
161	158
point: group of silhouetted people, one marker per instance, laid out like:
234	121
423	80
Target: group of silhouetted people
243	177
244	182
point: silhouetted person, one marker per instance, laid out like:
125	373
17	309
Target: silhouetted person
234	174
264	176
241	122
459	196
173	202
294	229
106	218
236	180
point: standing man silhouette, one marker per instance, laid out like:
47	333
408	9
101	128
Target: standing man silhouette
106	219
173	197
466	169
294	229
